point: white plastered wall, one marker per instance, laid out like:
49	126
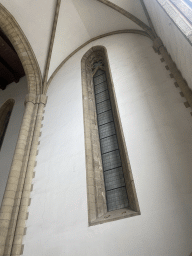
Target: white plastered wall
175	42
134	7
157	129
16	92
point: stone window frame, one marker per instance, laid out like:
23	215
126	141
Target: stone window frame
97	207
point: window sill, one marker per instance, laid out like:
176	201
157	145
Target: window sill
115	215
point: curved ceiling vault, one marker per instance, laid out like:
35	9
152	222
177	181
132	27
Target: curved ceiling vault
81	20
134	7
35	19
78	22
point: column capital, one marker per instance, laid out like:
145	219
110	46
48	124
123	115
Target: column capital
36	99
31	97
157	43
41	98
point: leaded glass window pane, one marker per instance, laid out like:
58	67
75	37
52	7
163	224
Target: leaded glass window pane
116	193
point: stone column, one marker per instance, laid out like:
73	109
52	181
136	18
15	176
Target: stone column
20	228
10	203
16	197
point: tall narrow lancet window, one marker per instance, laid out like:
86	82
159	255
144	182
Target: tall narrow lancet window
5	113
115	187
111	191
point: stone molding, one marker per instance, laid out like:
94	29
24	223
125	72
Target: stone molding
148	18
19	41
57	8
97	208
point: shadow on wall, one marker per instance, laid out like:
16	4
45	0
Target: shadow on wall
5	114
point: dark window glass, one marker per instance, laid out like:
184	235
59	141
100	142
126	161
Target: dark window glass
116	194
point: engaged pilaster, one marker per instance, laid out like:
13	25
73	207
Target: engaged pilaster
15	201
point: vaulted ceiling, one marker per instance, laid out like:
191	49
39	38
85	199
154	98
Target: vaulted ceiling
78	22
81	20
